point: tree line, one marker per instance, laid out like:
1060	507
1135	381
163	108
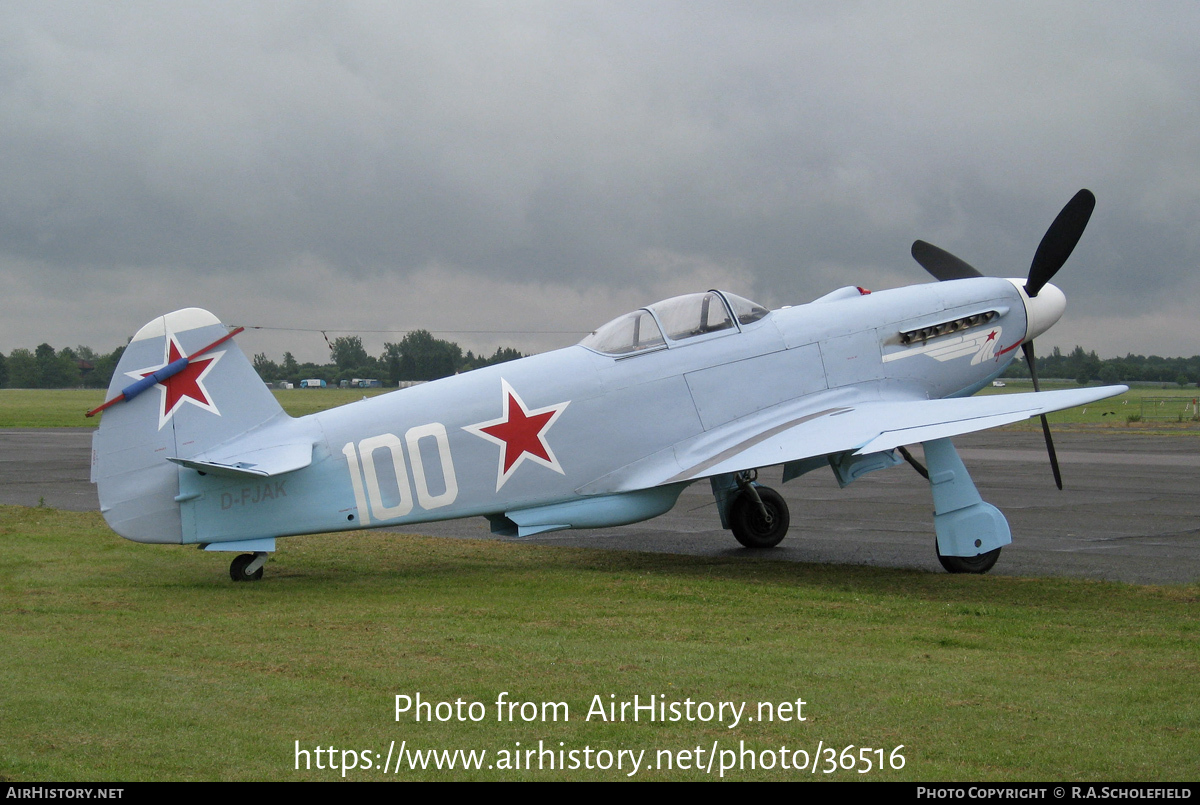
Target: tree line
1085	367
418	356
46	368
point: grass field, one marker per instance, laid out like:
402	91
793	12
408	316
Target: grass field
1172	411
130	662
65	408
23	408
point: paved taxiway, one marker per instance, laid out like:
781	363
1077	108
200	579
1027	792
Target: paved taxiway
1130	511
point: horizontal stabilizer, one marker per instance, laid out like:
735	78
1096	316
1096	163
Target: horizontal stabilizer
260	463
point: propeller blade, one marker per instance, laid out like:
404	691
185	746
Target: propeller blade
1060	240
1027	348
940	263
1050	452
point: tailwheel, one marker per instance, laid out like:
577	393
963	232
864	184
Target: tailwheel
759	517
247	567
968	564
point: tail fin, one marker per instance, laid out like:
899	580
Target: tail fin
174	397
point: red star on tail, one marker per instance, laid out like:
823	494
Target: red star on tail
185	386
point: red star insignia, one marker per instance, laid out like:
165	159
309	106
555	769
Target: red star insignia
185	387
521	434
991	336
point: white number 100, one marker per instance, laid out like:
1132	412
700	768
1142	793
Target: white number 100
365	479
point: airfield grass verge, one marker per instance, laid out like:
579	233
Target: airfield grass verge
48	408
1174	411
133	662
65	408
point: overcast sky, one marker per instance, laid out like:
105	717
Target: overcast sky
545	166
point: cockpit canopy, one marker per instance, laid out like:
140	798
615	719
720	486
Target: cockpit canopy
681	317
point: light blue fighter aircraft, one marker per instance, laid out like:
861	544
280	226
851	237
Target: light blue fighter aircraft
194	449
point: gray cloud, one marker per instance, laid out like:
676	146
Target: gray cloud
300	161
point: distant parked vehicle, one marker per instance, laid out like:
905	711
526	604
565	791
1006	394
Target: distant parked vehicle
312	383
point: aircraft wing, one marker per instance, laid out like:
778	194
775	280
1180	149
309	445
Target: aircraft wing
835	422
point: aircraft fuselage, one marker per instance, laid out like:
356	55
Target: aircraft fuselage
542	430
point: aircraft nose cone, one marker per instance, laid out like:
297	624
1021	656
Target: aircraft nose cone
1043	310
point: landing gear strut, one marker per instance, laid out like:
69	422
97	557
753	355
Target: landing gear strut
971	531
758	515
247	566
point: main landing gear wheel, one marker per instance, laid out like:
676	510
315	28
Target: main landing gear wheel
968	564
759	526
237	568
